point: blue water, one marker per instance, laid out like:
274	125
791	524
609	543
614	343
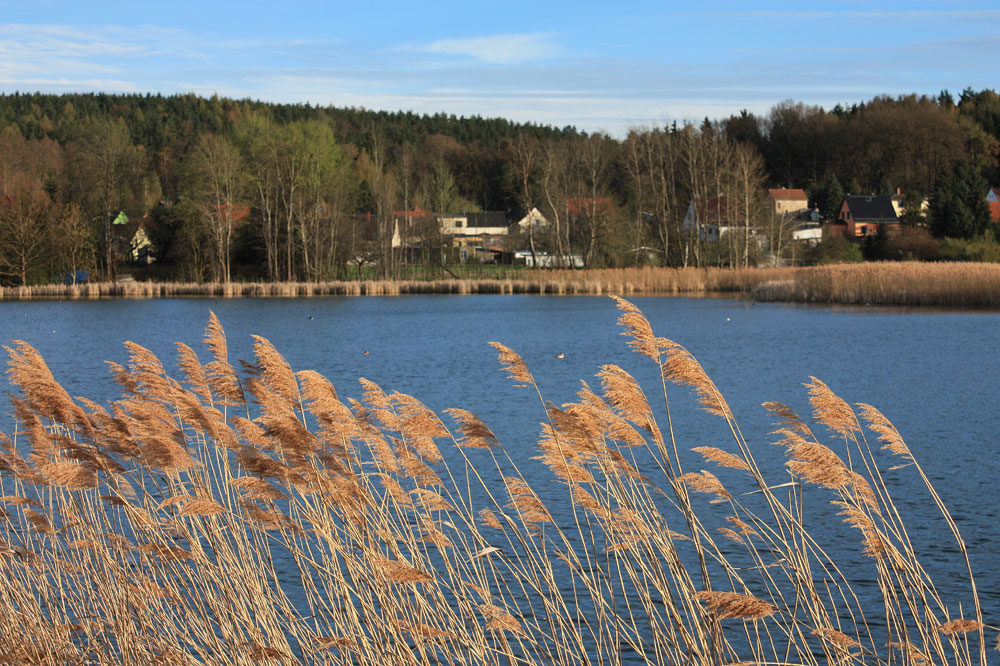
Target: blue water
935	374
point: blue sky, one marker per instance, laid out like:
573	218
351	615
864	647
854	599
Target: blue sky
597	65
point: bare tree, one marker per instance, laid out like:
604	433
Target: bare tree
220	180
260	148
525	154
322	205
595	154
107	169
373	167
748	190
556	164
25	229
633	160
695	158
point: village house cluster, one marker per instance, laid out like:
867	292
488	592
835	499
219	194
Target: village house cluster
497	237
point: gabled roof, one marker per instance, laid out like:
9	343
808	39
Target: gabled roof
788	195
871	208
712	209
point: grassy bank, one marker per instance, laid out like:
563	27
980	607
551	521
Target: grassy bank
891	283
228	518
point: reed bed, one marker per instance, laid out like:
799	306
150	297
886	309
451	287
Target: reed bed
891	283
95	290
255	516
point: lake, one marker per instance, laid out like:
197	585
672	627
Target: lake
935	374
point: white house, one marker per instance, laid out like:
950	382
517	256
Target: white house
533	218
474	224
808	234
546	260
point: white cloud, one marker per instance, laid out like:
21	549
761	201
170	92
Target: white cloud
497	49
30	41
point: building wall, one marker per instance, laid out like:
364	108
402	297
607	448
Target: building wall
789	206
788	202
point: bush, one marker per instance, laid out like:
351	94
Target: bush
983	248
906	244
834	250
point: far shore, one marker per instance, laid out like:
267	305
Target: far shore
962	284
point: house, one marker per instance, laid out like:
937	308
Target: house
587	207
234	214
862	215
898	200
527	219
711	218
407	226
132	240
808	234
474	224
993	200
546	260
788	203
483	248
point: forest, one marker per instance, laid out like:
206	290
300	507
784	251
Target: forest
236	190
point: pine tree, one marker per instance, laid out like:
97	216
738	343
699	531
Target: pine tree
958	206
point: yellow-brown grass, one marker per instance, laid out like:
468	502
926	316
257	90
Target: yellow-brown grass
964	284
237	520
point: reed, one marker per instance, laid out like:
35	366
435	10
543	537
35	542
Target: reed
891	283
223	517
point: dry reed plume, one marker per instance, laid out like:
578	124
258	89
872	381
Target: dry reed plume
963	284
242	518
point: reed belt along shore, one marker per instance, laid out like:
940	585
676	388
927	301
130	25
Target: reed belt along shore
891	283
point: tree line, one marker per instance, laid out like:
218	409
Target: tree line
240	189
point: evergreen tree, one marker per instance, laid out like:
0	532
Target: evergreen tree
828	197
958	206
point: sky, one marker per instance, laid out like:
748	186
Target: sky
599	66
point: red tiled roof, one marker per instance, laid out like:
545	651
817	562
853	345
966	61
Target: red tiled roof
788	195
238	212
712	209
586	206
416	212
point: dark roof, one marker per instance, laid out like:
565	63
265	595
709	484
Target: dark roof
871	208
488	219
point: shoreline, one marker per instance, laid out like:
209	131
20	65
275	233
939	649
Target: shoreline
891	283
